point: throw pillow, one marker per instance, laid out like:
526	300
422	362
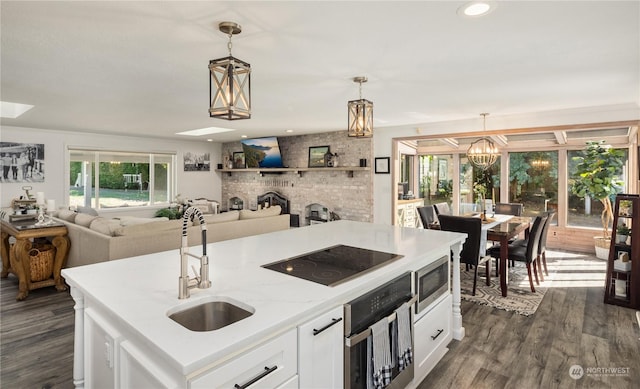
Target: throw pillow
84	220
104	225
88	211
67	215
266	212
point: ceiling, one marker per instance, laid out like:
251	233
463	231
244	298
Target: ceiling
141	67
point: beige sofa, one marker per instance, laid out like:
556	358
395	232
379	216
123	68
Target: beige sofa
97	239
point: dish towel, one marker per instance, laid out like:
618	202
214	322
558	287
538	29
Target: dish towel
381	372
405	354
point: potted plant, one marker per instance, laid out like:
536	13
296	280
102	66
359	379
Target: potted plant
597	176
622	233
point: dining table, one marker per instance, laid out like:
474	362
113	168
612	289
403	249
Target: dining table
501	229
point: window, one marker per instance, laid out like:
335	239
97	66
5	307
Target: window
114	179
533	181
587	212
436	178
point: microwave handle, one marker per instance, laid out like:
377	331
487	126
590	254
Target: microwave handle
359	337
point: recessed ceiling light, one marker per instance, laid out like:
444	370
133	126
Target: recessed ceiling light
13	110
476	8
205	131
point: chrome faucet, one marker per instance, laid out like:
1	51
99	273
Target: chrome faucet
202	281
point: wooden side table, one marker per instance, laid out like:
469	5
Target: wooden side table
15	257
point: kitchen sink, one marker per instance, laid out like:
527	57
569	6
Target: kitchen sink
210	315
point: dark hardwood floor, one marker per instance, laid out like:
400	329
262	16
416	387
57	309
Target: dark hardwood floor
501	349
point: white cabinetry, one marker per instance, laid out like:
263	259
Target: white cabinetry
432	335
321	351
270	365
102	341
407	214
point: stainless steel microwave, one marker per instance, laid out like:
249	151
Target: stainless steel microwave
431	282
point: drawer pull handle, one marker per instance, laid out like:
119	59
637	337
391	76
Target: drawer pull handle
436	335
267	371
333	321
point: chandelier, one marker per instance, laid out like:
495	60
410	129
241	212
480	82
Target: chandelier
483	152
229	82
360	114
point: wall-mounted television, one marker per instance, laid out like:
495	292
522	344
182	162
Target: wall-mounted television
262	152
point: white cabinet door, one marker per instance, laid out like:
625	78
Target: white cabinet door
101	342
432	335
269	365
138	370
321	351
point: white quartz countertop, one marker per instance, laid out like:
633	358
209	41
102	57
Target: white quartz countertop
139	292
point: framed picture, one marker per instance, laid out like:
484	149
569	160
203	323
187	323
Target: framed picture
238	160
382	165
194	162
316	156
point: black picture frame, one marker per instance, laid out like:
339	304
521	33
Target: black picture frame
316	156
238	160
382	165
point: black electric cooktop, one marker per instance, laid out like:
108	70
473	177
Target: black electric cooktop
333	265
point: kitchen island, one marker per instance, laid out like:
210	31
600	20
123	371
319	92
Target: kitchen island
124	336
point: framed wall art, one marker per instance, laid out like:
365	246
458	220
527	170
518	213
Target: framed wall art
238	160
382	165
316	156
21	162
197	162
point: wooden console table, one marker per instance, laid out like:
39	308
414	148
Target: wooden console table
15	257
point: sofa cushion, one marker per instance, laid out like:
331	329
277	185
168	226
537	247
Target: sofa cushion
266	212
67	215
84	220
104	225
220	217
147	228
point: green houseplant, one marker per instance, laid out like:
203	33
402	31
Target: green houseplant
597	175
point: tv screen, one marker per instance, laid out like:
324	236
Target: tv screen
262	152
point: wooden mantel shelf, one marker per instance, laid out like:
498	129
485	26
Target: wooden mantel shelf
299	170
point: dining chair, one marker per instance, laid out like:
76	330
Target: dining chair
470	254
427	216
525	253
442	209
514	209
542	245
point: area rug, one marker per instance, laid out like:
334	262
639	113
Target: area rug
519	298
565	270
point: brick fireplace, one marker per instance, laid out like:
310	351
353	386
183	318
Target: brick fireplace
349	197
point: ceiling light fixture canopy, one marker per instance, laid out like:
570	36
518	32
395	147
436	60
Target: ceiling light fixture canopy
483	153
360	114
229	82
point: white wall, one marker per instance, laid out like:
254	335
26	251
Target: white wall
383	138
55	185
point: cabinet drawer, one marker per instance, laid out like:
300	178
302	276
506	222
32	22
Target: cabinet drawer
267	366
433	333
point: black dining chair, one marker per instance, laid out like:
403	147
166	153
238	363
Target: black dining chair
542	245
525	253
442	209
427	216
470	254
514	209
